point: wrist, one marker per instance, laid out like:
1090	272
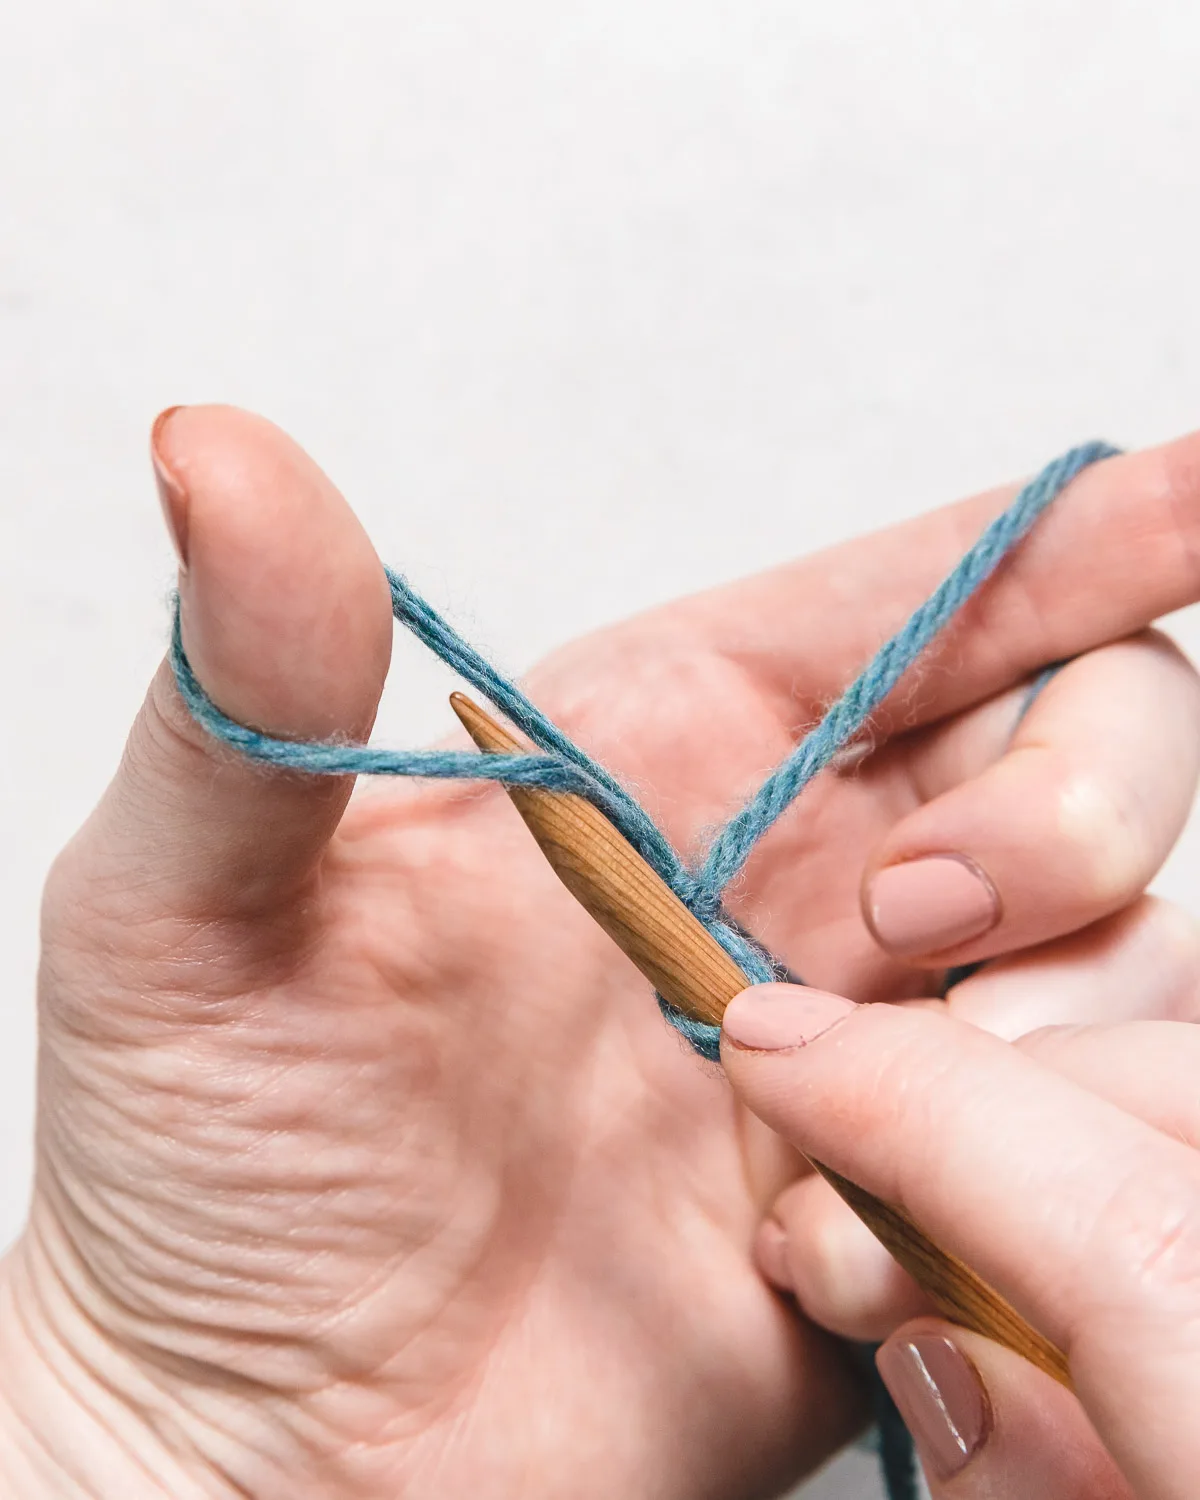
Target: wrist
79	1420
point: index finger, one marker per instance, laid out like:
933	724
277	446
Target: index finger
1087	1219
1116	550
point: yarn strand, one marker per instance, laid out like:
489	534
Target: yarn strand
731	848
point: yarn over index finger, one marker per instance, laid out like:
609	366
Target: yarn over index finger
731	847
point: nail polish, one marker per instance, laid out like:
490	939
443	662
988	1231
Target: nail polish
774	1017
171	492
929	905
941	1398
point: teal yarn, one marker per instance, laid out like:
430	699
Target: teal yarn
561	765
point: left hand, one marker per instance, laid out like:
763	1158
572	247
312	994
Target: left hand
365	1163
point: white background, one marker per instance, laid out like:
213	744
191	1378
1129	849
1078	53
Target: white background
583	305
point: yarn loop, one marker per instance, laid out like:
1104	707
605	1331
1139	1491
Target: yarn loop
562	765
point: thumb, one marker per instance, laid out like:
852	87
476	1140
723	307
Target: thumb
987	1425
287	622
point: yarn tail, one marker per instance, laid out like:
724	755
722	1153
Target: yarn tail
897	1456
889	1438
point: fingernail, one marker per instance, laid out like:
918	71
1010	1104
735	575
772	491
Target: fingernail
771	1253
170	492
941	1398
928	905
772	1017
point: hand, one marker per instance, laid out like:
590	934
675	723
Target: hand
1065	1170
365	1164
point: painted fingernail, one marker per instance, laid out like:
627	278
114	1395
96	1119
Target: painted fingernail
170	491
772	1017
929	905
941	1398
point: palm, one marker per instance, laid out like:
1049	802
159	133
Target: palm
454	1159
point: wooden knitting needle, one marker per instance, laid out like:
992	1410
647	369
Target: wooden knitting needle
650	924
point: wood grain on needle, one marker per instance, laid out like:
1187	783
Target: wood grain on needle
679	957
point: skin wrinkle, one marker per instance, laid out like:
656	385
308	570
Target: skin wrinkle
890	1084
319	1332
470	1382
302	1194
137	1313
1148	1239
237	1218
102	1379
187	948
47	1468
165	733
297	1257
51	1367
466	1274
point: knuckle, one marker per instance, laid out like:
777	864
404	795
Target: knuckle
166	757
839	1271
164	732
1098	824
817	1263
1148	1244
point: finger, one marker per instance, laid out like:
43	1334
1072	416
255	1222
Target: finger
1142	963
1067	826
1119	548
287	622
812	1246
987	1425
1086	1219
1146	1068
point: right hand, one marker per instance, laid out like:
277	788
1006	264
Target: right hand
1066	1170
